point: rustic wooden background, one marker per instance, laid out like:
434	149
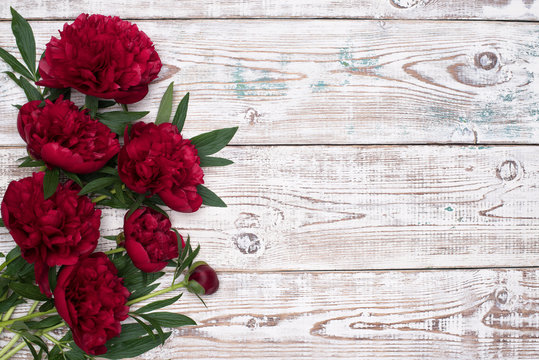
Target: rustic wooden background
385	200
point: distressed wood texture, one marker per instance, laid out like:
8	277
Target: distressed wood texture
340	81
475	315
371	9
359	208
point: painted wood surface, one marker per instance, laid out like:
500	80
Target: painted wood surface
339	81
363	9
359	208
459	314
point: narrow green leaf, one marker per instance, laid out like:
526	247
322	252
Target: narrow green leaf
29	162
55	93
98	184
12	300
158	304
136	204
30	90
144	326
27	291
105	103
50	182
156	325
36	340
213	141
31	348
129	332
187	262
165	107
109	170
25	40
117	120
181	113
52	277
91	103
15	64
2	225
132	348
13	77
143	291
209	198
73	177
47	305
168	319
207	161
45	323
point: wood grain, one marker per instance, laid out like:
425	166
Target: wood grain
484	314
339	82
375	207
370	9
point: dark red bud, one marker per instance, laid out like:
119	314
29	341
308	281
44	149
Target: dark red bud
206	277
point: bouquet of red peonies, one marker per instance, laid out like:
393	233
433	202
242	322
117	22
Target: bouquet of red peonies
86	158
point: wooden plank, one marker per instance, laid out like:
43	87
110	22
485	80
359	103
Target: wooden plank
371	9
485	314
335	207
339	82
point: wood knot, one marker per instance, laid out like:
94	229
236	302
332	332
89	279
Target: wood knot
501	296
247	243
404	4
252	116
508	170
486	60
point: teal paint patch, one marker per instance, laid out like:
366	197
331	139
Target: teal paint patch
347	60
262	85
449	208
319	87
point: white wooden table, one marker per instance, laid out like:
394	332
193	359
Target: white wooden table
385	197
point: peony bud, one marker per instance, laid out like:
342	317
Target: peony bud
202	279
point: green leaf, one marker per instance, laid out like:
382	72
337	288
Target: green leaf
129	332
12	300
13	77
30	90
15	64
209	198
47	305
213	141
52	277
109	170
50	182
2	225
29	162
98	184
158	304
132	348
105	103
148	329
35	340
25	40
181	113
45	323
186	262
31	348
117	120
168	319
136	204
27	291
207	161
91	103
165	107
143	291
55	93
73	177
156	325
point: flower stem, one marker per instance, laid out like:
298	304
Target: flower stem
99	198
6	263
13	351
16	337
114	251
27	317
160	292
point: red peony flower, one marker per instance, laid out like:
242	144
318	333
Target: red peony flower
51	232
91	299
102	56
205	276
148	239
157	159
65	137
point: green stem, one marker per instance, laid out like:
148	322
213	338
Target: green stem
16	337
114	251
53	340
157	293
27	317
99	198
13	351
6	263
